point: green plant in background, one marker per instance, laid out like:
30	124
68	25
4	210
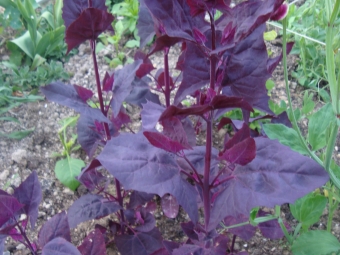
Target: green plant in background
319	141
124	26
67	168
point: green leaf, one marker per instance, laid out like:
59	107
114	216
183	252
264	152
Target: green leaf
132	44
287	136
308	209
17	135
11	119
67	169
308	103
37	61
49	41
270	35
270	85
316	242
49	17
58	5
317	126
24	42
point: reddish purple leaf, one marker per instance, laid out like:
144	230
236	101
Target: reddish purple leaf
147	221
88	26
29	194
245	232
140	166
170	206
57	226
140	243
161	81
163	142
280	13
108	82
173	128
189	229
83	93
201	6
93	244
89	207
267	183
240	135
139	198
218	102
163	42
199	36
90	177
146	67
9	206
73	9
121	119
188	249
59	246
273	62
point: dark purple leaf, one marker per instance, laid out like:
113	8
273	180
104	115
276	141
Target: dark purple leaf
145	25
173	128
163	42
146	67
73	9
89	207
93	244
140	243
90	177
121	119
189	229
267	183
245	232
170	246
147	223
4	193
218	102
170	206
60	246
188	249
163	142
29	194
150	115
242	153
108	82
270	229
224	121
15	235
240	135
57	226
88	137
246	71
67	95
280	13
201	6
273	62
174	16
9	206
195	72
141	93
122	85
83	93
282	119
140	166
162	251
139	198
88	26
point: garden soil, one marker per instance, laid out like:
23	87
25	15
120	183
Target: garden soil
18	158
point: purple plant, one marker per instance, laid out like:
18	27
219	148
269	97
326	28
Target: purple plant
224	65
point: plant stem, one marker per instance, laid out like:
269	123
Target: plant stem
23	233
166	77
120	201
99	89
206	184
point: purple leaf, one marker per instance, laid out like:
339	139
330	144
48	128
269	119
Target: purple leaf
140	166
83	93
145	25
273	62
146	67
245	232
246	71
67	95
121	119
59	246
73	9
282	119
122	85
280	13
189	229
93	244
170	206
173	128
162	42
148	221
2	243
57	226
270	229
218	102
108	82
267	183
139	198
201	6
170	246
175	18
88	26
9	206
140	243
90	177
163	142
150	115
29	194
141	93
89	207
188	249
195	72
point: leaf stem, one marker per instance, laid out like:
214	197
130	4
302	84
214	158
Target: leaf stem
23	233
120	201
166	77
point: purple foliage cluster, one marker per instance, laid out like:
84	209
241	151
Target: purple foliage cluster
223	65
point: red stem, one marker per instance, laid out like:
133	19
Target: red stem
99	89
120	201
